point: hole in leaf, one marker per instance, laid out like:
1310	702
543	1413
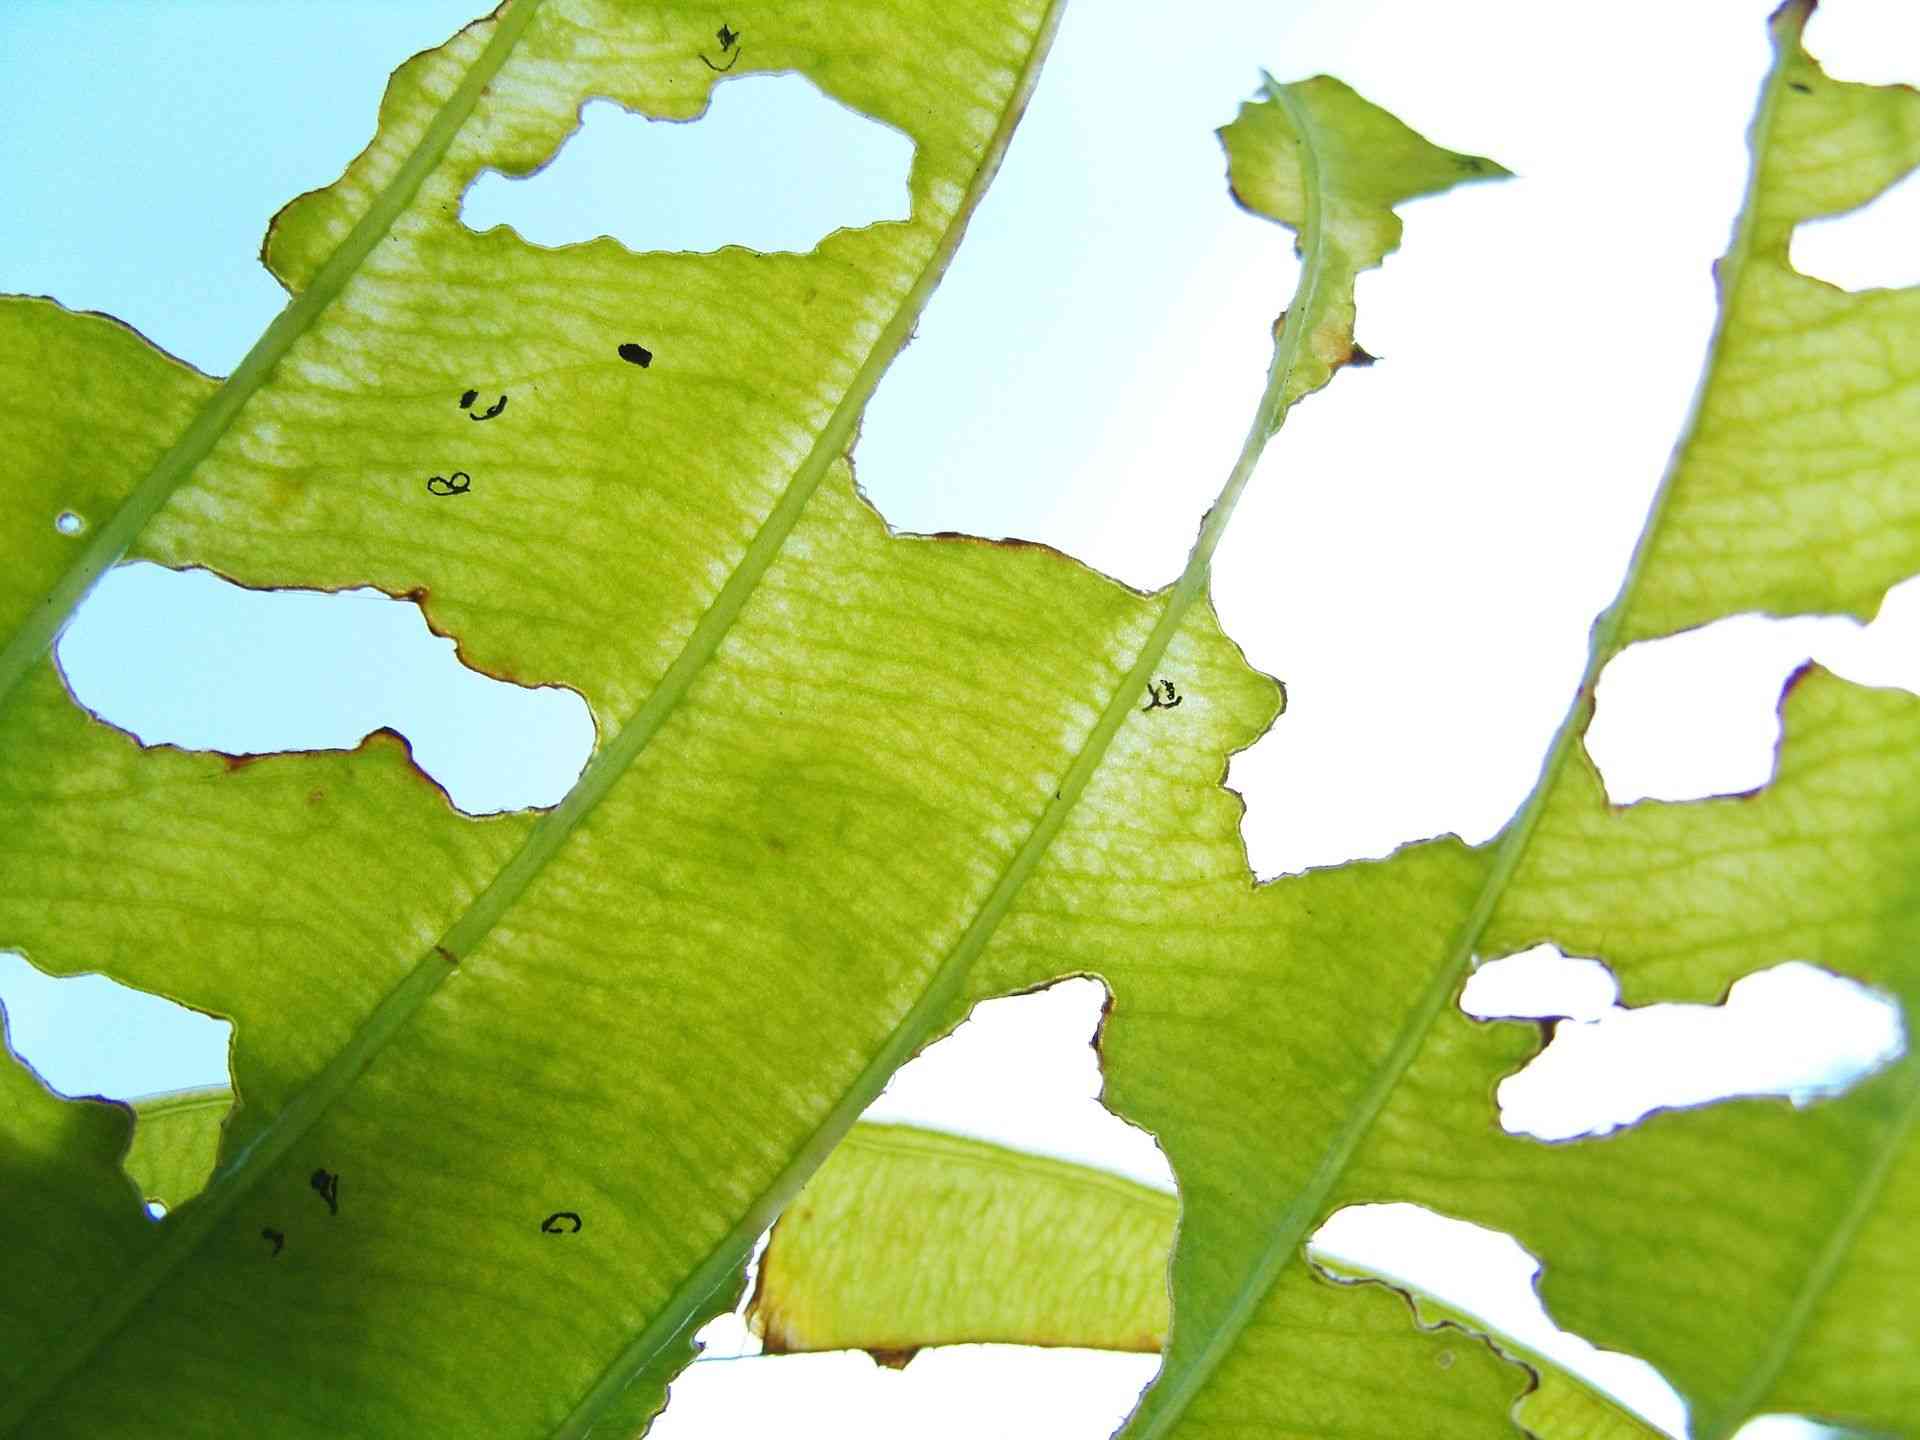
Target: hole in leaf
186	658
1697	714
1540	984
156	1210
1794	1030
1489	1275
1865	249
68	523
1866	44
773	165
1021	1071
87	1035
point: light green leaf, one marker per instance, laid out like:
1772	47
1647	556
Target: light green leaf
1316	157
427	1006
908	1238
1299	1048
516	1096
1768	1261
176	1139
1796	486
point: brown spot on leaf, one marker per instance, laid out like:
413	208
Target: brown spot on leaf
893	1359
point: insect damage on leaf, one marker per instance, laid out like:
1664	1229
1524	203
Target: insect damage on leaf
764	659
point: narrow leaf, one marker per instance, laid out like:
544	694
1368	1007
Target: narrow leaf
908	1238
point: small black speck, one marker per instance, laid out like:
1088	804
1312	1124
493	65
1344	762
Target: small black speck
468	398
328	1184
636	354
726	35
1796	85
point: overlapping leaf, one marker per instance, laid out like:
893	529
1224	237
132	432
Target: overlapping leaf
908	1238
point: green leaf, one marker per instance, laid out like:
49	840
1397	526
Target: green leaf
908	1238
1760	1257
423	1002
516	1096
1299	1047
1316	157
176	1139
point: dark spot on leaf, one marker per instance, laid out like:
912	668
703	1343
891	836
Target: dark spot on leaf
1162	696
1796	85
552	1224
893	1359
467	399
728	38
636	354
1360	358
328	1185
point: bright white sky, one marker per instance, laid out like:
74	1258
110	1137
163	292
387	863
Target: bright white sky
1419	556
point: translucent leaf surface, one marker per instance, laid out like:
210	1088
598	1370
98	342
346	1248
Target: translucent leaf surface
907	1238
176	1140
517	1095
463	1076
1299	1048
564	1068
1793	491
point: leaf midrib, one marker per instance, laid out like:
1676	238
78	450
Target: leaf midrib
237	1176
